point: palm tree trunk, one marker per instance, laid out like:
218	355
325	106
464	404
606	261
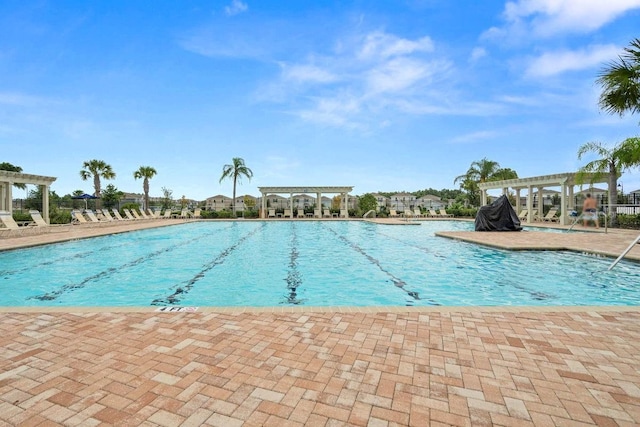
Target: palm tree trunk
233	202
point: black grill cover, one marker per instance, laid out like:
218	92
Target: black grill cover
498	216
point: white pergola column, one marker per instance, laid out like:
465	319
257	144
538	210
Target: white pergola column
346	204
563	204
517	201
483	196
45	203
530	204
8	197
290	205
319	203
263	204
540	202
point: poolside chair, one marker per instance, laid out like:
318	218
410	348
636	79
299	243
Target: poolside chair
167	214
107	215
287	213
9	223
42	224
523	215
417	213
92	216
444	214
551	216
143	215
407	214
196	213
117	215
433	214
344	213
317	213
77	217
150	214
393	213
300	213
326	213
272	213
129	215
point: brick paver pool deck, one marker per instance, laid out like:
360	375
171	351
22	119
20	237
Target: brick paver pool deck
510	366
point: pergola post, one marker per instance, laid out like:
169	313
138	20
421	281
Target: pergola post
263	204
530	204
563	204
319	203
45	204
518	201
483	197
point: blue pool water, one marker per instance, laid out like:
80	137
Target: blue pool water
312	263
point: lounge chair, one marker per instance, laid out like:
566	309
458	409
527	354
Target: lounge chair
317	213
196	213
287	213
444	214
42	224
523	215
326	213
92	216
393	213
417	213
184	213
129	215
117	215
433	214
344	213
300	213
142	214
408	213
107	215
167	214
272	213
151	214
551	216
11	226
77	217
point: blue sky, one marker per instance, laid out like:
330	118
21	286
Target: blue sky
380	95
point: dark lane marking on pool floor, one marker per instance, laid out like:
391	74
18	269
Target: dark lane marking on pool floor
50	296
294	279
399	283
182	290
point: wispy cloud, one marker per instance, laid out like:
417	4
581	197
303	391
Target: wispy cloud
235	8
546	18
553	63
475	136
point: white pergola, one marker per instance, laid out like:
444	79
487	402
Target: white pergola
8	178
566	182
319	191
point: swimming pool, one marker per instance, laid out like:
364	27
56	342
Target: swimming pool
312	263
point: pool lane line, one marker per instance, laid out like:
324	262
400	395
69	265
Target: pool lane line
50	296
294	279
182	290
399	283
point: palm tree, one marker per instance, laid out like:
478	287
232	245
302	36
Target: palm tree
96	169
146	172
235	171
620	81
4	166
482	171
612	161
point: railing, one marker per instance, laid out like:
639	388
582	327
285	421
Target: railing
372	212
626	251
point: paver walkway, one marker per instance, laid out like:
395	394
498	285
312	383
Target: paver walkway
414	368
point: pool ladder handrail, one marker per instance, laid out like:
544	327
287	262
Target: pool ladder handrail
626	251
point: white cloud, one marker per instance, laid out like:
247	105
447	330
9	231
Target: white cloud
552	63
475	136
382	45
477	53
307	73
235	8
545	18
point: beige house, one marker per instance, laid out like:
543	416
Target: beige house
402	201
429	201
218	203
381	201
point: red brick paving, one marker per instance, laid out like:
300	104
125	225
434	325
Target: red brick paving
320	368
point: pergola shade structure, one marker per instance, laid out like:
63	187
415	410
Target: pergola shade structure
566	182
8	179
318	191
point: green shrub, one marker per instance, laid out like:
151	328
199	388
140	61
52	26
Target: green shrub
628	221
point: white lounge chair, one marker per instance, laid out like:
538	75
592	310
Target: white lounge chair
393	213
129	215
196	213
417	213
344	213
433	214
272	213
43	225
167	214
107	215
317	213
287	213
116	214
300	213
551	216
92	216
444	214
326	213
11	226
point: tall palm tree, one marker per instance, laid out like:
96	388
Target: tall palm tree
482	171
620	81
96	169
611	161
235	171
146	172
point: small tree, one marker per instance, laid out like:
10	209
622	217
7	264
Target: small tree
167	199
368	202
111	196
